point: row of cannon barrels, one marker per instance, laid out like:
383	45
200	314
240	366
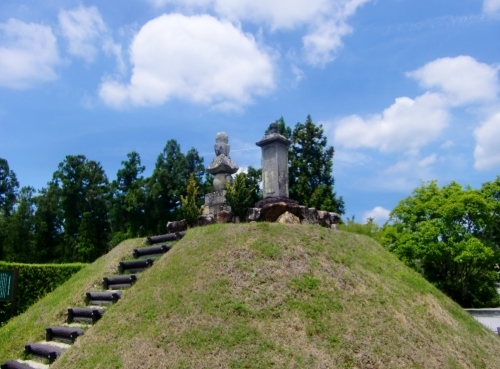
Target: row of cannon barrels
93	312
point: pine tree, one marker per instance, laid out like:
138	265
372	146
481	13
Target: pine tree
190	208
311	163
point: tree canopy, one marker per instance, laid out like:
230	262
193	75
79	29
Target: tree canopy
450	235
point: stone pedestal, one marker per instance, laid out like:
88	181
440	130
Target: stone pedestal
215	202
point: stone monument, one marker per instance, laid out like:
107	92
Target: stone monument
222	167
274	163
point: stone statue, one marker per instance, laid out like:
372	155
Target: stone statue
222	166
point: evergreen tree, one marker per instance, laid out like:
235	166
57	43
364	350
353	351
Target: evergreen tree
196	167
8	197
254	182
239	196
190	209
19	245
128	200
168	182
84	192
48	224
8	188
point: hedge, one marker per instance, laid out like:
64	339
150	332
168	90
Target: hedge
35	281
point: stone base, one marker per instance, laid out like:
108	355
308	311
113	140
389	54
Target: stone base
215	202
273	200
271	211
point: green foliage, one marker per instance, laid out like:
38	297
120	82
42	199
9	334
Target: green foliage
8	188
128	202
310	159
35	281
239	196
18	228
253	182
446	234
8	195
84	194
190	209
370	228
168	182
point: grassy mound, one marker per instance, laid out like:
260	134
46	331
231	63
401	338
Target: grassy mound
275	296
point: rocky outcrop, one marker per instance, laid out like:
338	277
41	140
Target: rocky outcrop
288	218
177	226
223	216
271	210
206	219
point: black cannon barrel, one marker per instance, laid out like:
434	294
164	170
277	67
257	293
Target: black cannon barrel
162	238
118	282
87	315
153	250
102	297
41	350
63	333
11	364
135	265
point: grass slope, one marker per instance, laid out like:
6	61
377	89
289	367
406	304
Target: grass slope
51	310
266	295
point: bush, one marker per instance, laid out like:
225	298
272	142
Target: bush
35	281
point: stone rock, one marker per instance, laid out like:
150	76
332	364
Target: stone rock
215	202
334	218
335	227
223	216
205	219
178	226
220	181
271	212
253	214
308	215
288	218
272	200
324	218
222	164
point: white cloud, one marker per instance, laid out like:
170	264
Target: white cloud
86	32
28	54
406	125
487	151
325	20
378	213
197	58
447	144
491	7
413	164
82	27
463	79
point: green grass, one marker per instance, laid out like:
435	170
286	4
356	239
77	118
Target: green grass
267	295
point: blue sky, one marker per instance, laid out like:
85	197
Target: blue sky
406	90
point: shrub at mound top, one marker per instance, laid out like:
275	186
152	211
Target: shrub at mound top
35	281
